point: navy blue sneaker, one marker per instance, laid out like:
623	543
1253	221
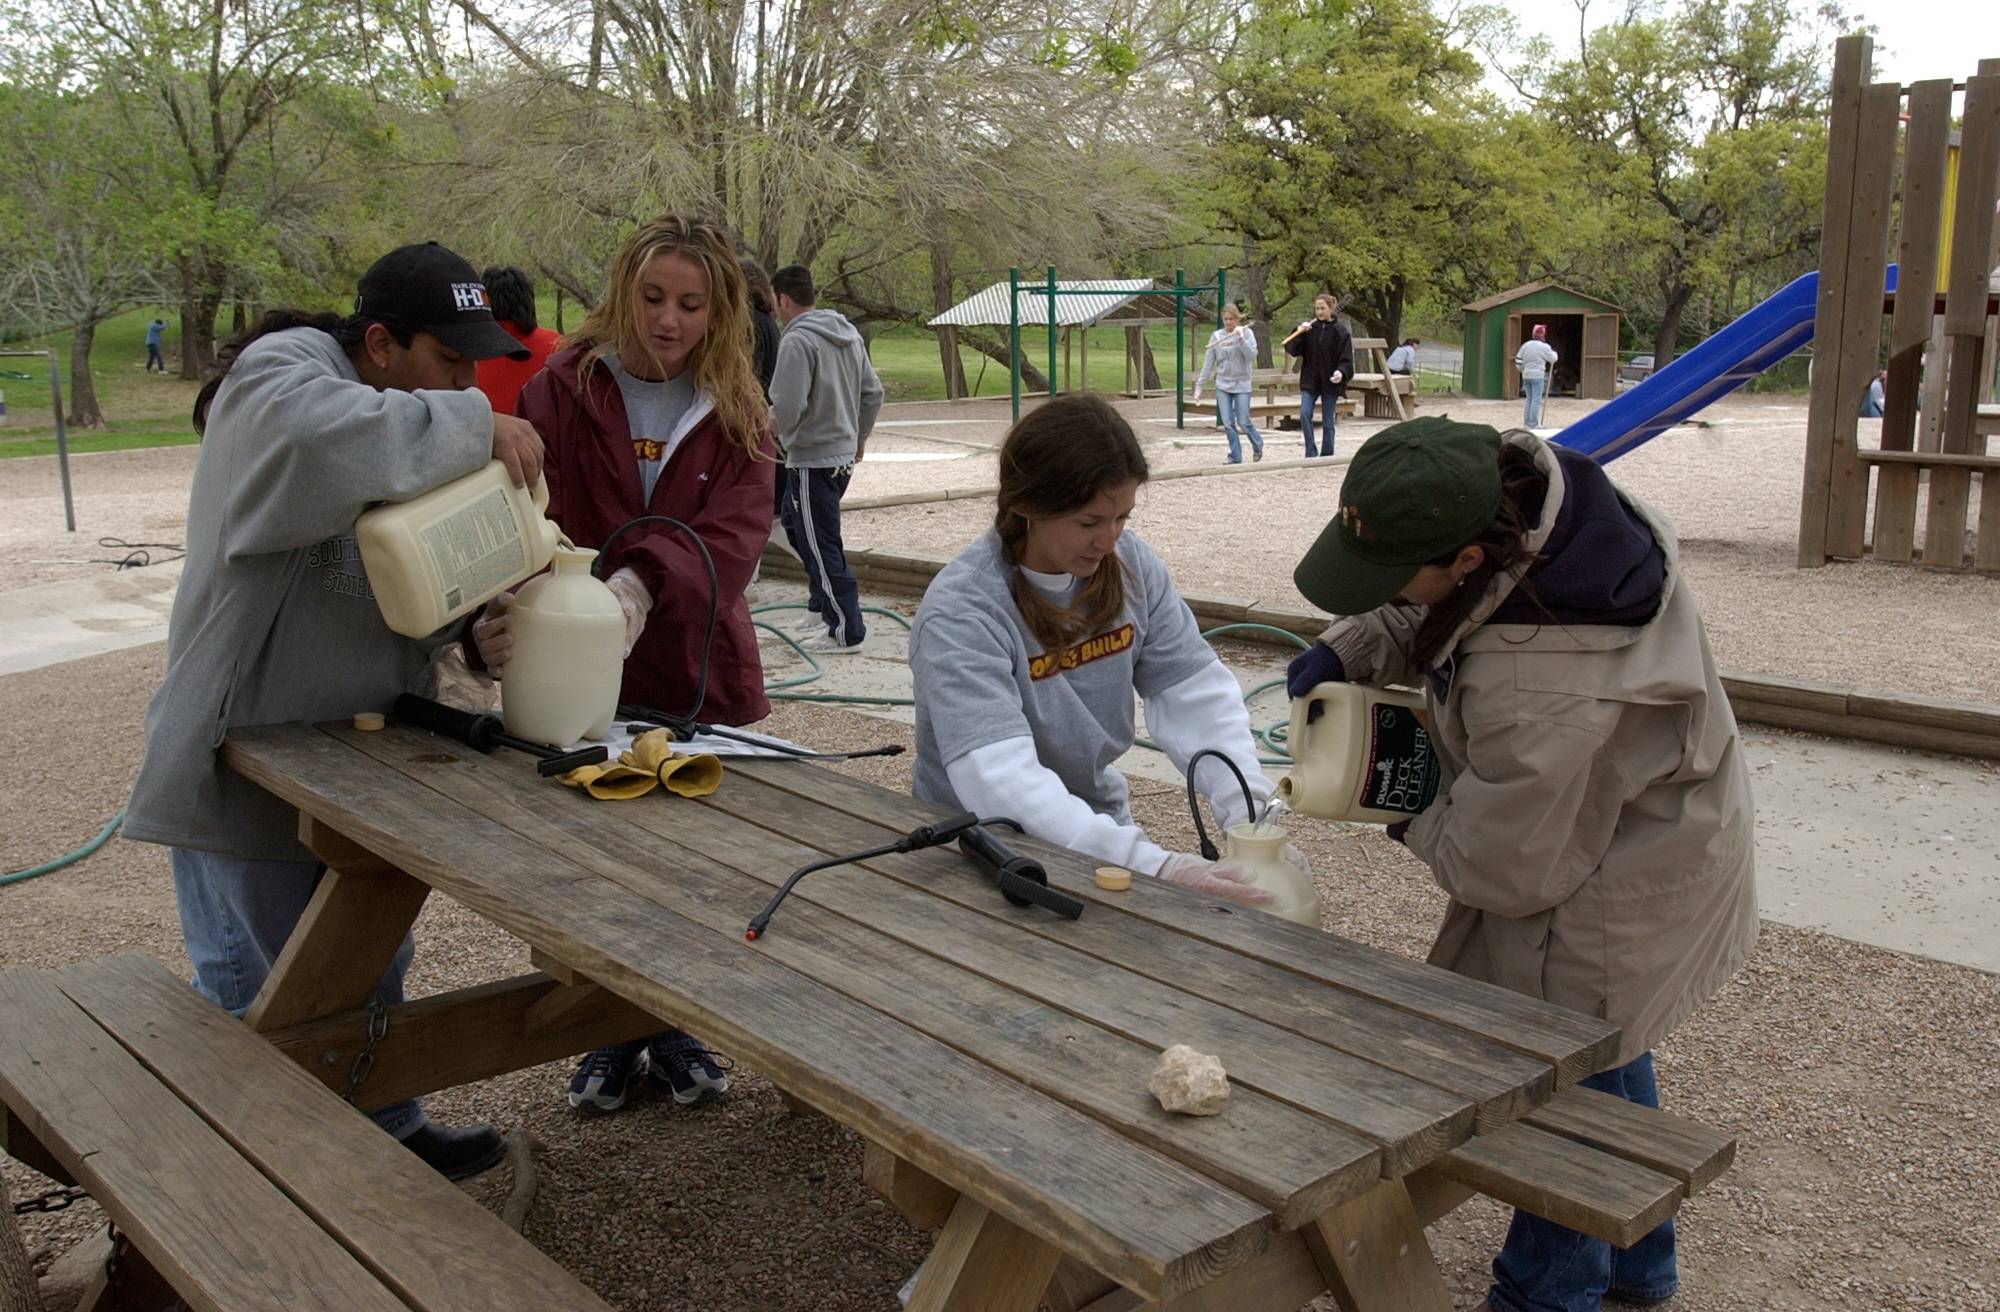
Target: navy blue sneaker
680	1062
599	1082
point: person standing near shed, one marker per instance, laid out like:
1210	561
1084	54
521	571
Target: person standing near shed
1594	825
1231	359
1535	360
824	399
1325	352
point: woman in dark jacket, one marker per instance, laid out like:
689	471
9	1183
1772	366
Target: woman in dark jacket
763	326
1325	351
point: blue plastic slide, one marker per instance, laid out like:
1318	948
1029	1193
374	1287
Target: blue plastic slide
1765	335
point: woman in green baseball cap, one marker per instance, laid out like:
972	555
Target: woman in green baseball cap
1594	825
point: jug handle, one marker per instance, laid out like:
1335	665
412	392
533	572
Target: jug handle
1310	701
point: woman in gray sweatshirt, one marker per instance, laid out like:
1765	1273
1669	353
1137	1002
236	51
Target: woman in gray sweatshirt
1231	358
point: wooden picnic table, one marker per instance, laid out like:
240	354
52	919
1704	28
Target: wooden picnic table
995	1055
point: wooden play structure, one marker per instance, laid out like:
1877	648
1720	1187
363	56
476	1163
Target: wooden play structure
1893	160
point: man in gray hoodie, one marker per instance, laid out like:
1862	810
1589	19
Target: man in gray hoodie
312	418
824	399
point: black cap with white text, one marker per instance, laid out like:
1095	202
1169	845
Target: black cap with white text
427	287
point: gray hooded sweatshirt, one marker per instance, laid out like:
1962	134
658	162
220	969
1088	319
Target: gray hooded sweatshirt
824	392
274	621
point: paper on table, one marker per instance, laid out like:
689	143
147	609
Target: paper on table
714	745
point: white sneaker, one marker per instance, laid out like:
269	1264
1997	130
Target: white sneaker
828	645
809	623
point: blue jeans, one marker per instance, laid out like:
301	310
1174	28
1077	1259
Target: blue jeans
236	915
811	515
1233	408
1326	399
1534	389
1544	1267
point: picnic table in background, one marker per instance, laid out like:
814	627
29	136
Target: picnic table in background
995	1058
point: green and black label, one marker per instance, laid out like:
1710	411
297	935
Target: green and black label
1402	766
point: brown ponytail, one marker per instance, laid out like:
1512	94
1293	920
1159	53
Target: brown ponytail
1055	461
1523	489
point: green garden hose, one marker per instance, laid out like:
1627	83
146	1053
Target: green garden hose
71	858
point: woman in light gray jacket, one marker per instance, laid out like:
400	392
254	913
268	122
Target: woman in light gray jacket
1231	358
1594	823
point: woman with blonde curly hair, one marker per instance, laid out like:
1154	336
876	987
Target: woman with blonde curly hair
653	407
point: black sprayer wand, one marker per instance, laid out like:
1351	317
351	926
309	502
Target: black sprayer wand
1021	881
485	733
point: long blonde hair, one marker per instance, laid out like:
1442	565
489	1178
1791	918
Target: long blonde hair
720	363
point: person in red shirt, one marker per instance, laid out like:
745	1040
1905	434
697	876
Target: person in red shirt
513	295
653	408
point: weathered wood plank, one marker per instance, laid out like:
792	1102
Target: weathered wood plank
342	945
1374	1256
1692	1153
1575	1045
1567	1182
983	1263
221	1234
918	1197
417	1232
1150	1223
1501	1083
717	873
460	1037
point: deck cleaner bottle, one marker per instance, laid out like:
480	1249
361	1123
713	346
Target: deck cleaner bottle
1365	755
444	554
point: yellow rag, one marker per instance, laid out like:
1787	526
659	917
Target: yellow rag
649	763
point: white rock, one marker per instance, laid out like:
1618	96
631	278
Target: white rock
1189	1082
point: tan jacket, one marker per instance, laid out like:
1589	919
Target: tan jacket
1594	827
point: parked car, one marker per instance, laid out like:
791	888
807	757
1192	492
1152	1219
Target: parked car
1636	370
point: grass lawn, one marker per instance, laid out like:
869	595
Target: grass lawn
140	409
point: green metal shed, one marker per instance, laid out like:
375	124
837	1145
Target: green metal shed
1582	329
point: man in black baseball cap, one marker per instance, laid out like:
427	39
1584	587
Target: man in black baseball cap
428	288
313	418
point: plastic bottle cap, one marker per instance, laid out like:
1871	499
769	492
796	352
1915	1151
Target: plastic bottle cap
369	721
1113	879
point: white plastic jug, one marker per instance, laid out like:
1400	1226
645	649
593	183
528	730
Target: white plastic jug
1366	756
1259	851
455	548
560	684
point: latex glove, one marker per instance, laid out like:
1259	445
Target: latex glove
1213	878
1335	377
493	631
634	600
1297	860
1195	397
518	446
1315	665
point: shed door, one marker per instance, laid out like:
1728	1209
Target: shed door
1600	357
1510	375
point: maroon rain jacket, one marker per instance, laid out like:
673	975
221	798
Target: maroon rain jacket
712	485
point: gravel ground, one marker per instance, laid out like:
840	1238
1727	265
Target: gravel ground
1867	1174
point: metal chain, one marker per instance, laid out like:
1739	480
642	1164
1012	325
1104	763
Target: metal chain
55	1200
364	1061
114	1269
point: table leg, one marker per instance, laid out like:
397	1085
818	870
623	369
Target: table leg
1373	1255
345	940
983	1263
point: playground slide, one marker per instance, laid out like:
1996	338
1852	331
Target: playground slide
1765	335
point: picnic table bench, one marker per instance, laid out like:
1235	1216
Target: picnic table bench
994	1058
236	1181
1383	394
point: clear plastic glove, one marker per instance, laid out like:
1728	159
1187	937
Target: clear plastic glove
1213	878
1335	377
493	631
1297	860
634	600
